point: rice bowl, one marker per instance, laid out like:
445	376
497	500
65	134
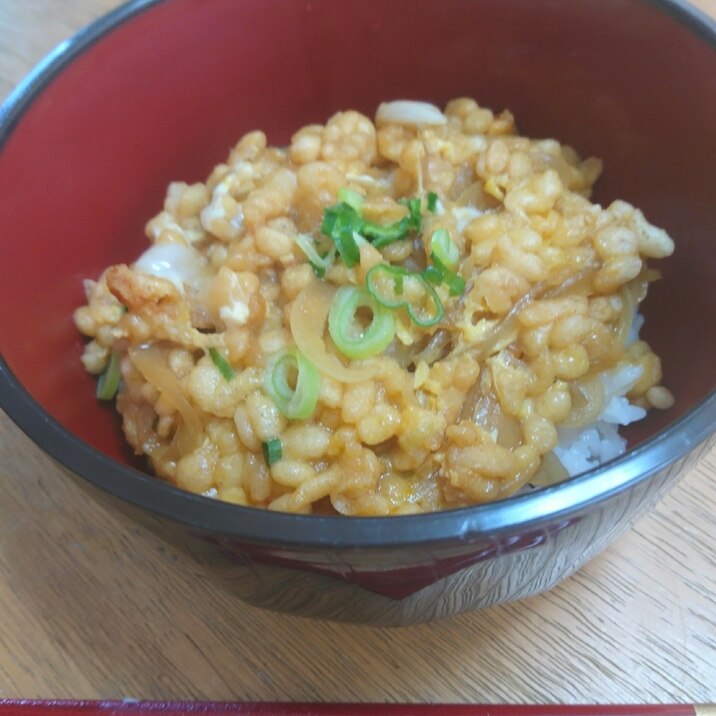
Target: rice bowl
107	85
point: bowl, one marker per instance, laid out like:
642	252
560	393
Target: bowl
158	91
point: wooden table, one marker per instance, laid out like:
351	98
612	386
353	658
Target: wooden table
91	610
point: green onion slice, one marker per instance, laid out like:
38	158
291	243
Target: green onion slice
339	223
433	274
320	264
455	283
222	364
391	286
292	382
343	220
108	383
381	235
273	451
347	248
415	217
432	202
350	338
396	287
350	197
445	248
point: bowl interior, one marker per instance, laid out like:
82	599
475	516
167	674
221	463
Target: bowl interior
165	94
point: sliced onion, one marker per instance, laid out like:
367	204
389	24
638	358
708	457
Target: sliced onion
410	113
308	322
509	431
149	361
627	316
474	195
587	403
632	294
560	285
480	404
175	262
486	346
551	472
435	348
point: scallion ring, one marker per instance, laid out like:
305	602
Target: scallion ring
320	264
292	382
350	338
431	316
445	248
387	285
396	287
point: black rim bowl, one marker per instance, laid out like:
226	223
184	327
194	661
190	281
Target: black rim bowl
266	527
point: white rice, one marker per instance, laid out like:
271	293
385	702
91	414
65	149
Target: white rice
582	449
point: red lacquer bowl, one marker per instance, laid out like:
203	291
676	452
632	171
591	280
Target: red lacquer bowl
159	91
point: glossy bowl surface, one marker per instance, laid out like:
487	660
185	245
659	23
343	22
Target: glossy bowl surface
159	91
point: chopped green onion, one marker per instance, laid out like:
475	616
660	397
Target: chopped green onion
432	202
350	197
386	284
320	264
431	316
416	295
108	383
348	249
339	223
273	451
342	221
455	283
380	235
433	274
296	402
352	340
222	364
383	234
415	217
445	248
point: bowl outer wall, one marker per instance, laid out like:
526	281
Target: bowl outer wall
31	103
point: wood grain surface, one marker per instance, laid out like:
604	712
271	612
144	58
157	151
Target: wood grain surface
90	608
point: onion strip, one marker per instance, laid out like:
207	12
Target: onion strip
631	294
551	472
309	313
435	348
538	291
588	401
149	361
485	347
